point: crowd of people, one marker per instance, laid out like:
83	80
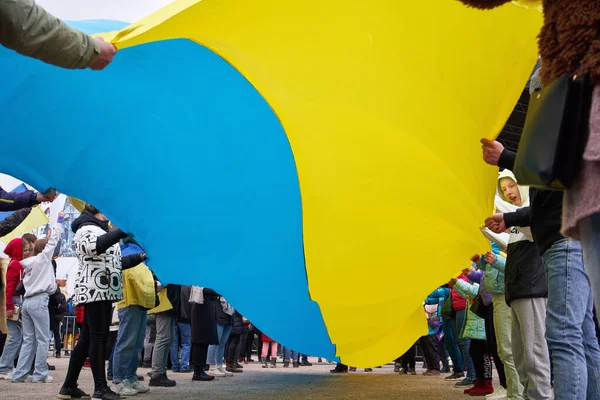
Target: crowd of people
527	307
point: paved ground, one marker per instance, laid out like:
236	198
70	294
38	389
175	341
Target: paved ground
256	383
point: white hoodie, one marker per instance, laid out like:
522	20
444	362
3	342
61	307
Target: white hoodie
38	274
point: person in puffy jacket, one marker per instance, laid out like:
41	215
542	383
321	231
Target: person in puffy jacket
98	284
474	329
17	249
430	342
459	304
234	344
440	296
216	352
526	293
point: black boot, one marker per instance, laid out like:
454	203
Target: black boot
273	362
339	369
105	394
202	376
286	363
162	381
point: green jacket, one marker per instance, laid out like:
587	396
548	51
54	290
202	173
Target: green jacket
29	30
474	327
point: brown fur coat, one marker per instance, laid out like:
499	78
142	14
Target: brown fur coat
570	37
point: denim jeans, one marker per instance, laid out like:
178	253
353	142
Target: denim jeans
130	341
216	352
451	344
35	328
289	355
570	329
464	343
589	230
12	347
186	346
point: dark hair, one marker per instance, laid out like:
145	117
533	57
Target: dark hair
91	208
30	237
39	246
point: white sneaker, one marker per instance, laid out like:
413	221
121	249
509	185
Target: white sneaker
499	394
47	379
138	386
224	370
214	371
6	376
124	389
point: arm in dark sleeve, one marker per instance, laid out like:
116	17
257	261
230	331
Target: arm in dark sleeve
108	239
11	222
209	292
507	160
14	201
131	261
521	217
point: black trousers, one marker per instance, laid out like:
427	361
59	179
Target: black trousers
480	354
199	354
249	343
490	333
408	358
233	348
442	353
430	346
58	345
92	343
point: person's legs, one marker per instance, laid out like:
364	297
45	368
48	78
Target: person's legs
265	350
531	314
451	345
162	344
28	346
273	350
589	231
234	340
213	348
492	345
443	355
249	344
199	356
433	359
176	366
130	319
222	343
98	318
503	330
12	347
185	331
477	351
570	310
464	344
41	320
78	357
149	339
57	340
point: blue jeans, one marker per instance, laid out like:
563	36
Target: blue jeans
465	344
35	328
12	347
216	352
186	346
289	354
132	330
451	344
570	328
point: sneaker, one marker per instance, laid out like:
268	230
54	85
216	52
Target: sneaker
124	389
162	381
295	364
445	370
368	369
7	376
105	394
286	363
397	367
403	371
465	382
499	394
352	369
431	372
456	376
412	371
72	394
305	364
185	370
139	386
51	367
214	371
224	371
47	379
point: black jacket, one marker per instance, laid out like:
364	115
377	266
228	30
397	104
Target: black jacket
185	309
524	277
238	324
544	214
222	317
204	319
10	223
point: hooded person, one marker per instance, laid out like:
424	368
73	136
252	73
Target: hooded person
39	283
97	285
16	250
526	293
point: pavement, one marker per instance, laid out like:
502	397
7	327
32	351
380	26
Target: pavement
257	383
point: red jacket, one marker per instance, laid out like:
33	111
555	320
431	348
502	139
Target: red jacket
459	302
15	270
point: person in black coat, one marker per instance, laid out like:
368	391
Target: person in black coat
234	344
204	332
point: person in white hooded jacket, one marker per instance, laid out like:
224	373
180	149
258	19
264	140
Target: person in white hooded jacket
39	283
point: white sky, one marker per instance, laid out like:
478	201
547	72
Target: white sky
120	10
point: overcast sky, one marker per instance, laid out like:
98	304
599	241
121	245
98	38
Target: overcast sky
120	10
